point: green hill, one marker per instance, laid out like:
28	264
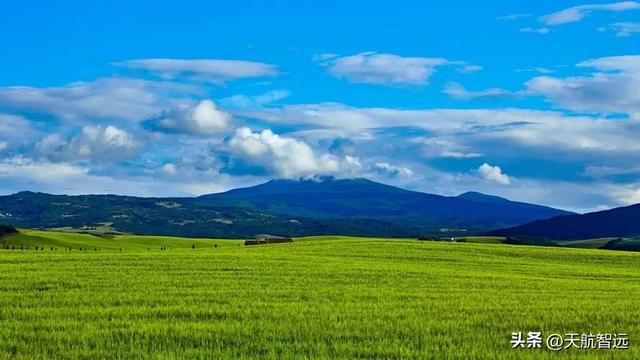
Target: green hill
47	240
617	222
356	207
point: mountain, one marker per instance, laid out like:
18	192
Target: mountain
361	198
153	216
619	222
476	196
287	207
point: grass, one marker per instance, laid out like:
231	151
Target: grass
586	244
482	239
321	297
75	241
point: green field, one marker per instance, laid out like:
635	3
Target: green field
61	241
320	297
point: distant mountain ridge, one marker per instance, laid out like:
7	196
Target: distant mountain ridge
365	198
618	222
285	207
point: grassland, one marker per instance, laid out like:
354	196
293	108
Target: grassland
321	297
61	241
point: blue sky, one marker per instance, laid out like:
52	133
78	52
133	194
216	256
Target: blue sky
529	100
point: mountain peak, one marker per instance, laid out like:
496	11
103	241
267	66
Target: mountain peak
477	196
315	185
323	180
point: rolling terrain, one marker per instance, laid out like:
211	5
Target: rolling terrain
619	222
60	241
356	207
319	297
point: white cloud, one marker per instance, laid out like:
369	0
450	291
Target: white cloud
283	156
213	70
541	31
107	98
393	170
169	169
246	101
20	173
203	119
494	173
624	63
611	88
14	130
383	69
31	170
96	143
469	68
626	195
605	171
538	69
577	13
459	92
353	163
444	147
622	29
489	129
512	17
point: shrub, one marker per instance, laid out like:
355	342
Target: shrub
6	230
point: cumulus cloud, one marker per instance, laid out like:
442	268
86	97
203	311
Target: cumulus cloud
487	129
577	13
169	169
15	130
213	70
393	170
494	174
203	119
283	156
106	98
98	143
610	88
385	69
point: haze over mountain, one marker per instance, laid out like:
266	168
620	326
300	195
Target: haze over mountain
618	222
290	207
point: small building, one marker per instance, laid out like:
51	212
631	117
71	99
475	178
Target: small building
264	239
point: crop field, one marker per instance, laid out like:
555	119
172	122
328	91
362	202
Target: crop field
319	297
